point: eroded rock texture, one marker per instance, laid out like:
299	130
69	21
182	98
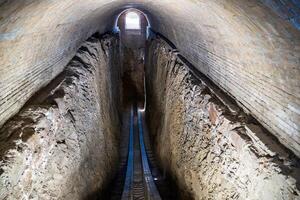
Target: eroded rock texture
212	148
242	46
63	144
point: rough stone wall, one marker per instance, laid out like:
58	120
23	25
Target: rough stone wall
247	51
243	46
63	143
211	148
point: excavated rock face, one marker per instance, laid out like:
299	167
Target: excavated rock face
63	144
212	148
244	47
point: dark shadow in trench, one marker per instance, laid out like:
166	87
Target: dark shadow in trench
132	51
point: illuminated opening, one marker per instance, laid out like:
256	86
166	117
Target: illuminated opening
132	21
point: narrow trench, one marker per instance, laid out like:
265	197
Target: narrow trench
109	132
136	174
139	175
138	167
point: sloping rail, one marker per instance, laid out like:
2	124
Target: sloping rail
137	156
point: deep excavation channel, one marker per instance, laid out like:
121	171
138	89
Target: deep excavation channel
129	117
139	183
100	155
136	178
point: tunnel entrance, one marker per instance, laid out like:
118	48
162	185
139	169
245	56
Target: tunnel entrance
132	21
88	134
132	25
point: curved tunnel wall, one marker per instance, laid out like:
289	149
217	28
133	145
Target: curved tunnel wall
242	46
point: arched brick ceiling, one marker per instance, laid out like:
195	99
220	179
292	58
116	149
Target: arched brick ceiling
242	46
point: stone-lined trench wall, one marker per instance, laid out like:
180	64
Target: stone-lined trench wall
242	46
209	146
63	143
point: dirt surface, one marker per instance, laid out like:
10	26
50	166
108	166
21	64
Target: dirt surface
63	143
212	149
